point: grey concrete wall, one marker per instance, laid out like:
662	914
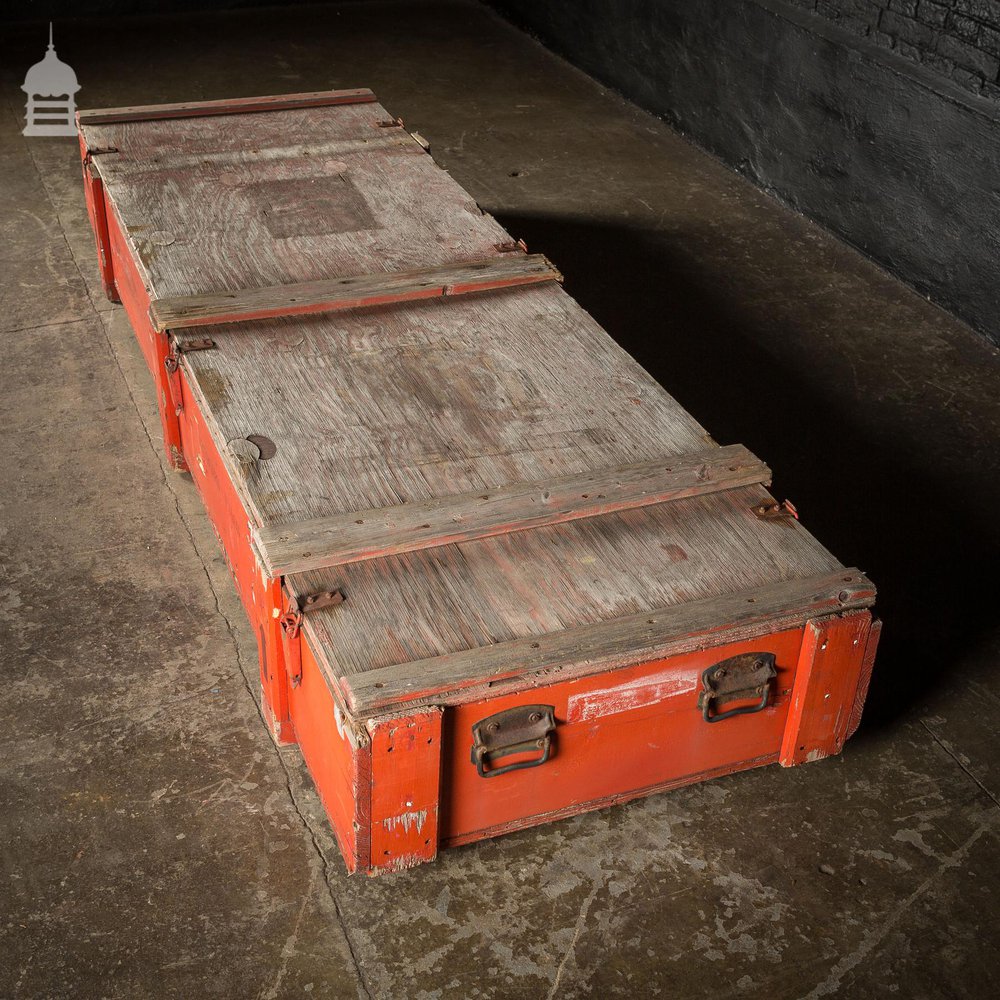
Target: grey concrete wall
895	158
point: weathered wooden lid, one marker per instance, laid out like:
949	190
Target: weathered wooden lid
500	493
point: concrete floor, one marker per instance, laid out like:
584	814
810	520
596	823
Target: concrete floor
154	841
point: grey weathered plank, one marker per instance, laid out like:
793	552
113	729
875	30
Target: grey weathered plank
589	649
390	531
354	292
231	106
432	602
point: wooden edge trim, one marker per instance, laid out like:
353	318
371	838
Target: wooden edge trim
405	789
232	106
578	652
324	542
101	233
361	782
814	635
864	678
349	293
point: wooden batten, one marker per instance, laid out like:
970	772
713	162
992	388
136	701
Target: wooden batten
235	106
350	293
390	531
590	649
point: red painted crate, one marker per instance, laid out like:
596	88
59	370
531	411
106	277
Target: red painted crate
497	574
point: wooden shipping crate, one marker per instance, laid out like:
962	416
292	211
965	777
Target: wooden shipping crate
497	574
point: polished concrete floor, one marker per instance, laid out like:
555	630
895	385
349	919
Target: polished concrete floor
154	841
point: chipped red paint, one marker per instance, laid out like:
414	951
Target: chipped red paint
405	789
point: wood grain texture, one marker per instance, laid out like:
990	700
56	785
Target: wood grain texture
391	531
231	106
622	642
350	293
242	201
472	595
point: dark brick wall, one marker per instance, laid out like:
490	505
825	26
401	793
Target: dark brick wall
888	153
959	39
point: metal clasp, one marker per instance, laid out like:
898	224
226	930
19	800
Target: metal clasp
516	730
748	675
784	511
291	626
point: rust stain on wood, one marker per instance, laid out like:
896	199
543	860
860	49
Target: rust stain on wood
214	387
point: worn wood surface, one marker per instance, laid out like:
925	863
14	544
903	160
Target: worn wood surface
407	403
414	402
472	595
350	293
621	642
252	200
390	531
232	106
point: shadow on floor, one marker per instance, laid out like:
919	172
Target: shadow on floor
922	539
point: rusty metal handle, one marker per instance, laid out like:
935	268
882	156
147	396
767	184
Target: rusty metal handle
735	679
517	730
483	756
742	710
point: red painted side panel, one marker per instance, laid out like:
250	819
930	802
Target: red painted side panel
261	596
340	771
93	190
617	734
155	347
186	434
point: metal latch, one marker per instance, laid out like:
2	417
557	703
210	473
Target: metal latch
291	625
510	246
777	511
748	675
516	730
172	361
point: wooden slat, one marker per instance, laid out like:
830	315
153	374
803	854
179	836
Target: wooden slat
233	106
390	531
589	649
349	293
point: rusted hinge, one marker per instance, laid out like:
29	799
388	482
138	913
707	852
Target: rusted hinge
777	511
511	246
196	344
291	626
97	151
172	361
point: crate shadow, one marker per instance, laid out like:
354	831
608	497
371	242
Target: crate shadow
894	513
